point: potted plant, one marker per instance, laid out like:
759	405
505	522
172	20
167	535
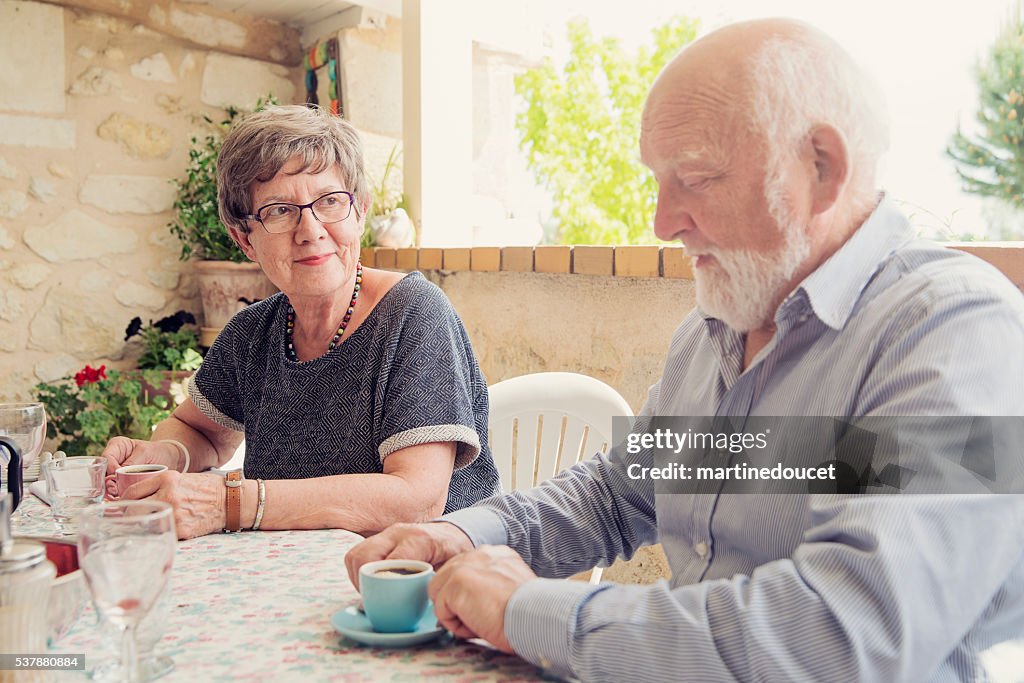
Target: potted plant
170	346
227	280
387	223
85	411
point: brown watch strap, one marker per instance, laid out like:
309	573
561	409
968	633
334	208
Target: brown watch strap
233	487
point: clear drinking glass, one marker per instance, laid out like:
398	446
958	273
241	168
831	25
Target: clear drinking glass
126	550
148	634
73	484
25	425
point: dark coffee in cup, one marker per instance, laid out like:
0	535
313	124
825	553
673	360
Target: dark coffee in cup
399	571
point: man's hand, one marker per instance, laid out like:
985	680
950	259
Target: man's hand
471	592
198	500
433	542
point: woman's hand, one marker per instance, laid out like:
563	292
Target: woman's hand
198	500
122	451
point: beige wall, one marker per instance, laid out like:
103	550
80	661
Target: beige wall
616	329
506	203
370	70
96	113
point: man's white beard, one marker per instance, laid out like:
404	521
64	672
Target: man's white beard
742	288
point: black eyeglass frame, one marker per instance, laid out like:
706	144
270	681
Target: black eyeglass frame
301	208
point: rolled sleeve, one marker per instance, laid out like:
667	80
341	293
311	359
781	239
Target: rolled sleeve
467	438
431	390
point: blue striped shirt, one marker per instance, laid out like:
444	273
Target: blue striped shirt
794	587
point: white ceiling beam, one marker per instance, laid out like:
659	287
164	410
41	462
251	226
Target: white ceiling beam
329	26
393	8
321	11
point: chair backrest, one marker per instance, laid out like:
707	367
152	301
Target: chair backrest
543	423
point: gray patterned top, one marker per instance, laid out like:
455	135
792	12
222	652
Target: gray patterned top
405	376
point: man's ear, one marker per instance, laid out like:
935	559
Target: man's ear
831	167
242	240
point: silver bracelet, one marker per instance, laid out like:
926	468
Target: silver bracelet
184	451
259	504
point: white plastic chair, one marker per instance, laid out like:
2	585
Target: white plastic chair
542	423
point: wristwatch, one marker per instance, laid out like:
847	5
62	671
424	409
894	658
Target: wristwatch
233	505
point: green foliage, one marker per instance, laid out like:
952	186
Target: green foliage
171	343
198	224
581	128
991	163
384	196
86	411
171	351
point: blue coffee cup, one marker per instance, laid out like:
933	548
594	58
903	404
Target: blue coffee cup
395	593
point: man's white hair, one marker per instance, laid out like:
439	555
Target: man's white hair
800	83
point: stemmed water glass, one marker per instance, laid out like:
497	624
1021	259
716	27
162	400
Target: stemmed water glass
126	550
25	425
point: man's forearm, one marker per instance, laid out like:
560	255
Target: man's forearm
564	526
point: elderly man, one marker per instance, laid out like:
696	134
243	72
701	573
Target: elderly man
814	298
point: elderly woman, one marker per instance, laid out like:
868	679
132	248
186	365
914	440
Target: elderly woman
356	390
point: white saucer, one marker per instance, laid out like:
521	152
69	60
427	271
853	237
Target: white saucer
355	625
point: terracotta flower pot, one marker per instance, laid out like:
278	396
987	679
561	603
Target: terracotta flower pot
169	377
226	288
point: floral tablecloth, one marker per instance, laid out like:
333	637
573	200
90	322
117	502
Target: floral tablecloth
256	606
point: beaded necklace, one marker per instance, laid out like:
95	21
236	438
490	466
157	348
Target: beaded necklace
289	329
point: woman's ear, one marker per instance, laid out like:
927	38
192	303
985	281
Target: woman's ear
241	238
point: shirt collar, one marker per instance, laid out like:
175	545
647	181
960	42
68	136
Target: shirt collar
835	287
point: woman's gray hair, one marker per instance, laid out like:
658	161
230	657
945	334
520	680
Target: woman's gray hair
260	144
799	83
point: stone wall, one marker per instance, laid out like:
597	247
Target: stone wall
96	113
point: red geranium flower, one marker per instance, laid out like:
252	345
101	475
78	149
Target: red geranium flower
88	375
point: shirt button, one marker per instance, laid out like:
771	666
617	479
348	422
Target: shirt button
701	549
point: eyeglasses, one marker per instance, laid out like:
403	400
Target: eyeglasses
281	217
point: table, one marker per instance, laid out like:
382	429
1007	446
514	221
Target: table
256	606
